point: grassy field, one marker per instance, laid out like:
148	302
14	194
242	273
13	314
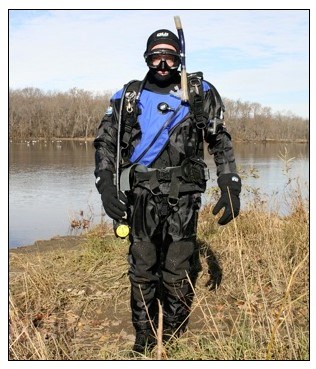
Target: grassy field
71	302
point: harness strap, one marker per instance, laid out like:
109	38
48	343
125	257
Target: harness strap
196	98
173	197
131	110
198	111
196	102
154	183
130	122
189	177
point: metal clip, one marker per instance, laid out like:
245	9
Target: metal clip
196	83
207	175
130	96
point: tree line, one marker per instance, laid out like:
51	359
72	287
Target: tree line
77	114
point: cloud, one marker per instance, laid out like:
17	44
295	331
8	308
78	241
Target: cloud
278	76
249	53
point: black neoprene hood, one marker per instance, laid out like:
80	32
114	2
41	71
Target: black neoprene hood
163	36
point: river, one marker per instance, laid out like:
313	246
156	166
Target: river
51	183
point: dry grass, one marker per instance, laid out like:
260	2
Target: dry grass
74	304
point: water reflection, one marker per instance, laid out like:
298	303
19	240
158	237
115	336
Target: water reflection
52	182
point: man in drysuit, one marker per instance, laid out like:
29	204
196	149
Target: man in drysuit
162	148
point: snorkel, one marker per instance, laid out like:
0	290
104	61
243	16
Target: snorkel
184	78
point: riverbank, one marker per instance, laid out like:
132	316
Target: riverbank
55	243
91	139
69	296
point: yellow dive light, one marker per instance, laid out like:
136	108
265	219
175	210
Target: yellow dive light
121	230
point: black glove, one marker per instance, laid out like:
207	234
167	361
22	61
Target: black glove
115	208
230	201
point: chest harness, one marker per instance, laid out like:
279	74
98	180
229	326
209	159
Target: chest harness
192	175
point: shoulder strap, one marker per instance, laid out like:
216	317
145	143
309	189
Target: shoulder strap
196	98
130	111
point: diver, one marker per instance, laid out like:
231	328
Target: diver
161	146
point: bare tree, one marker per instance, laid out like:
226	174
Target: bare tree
77	113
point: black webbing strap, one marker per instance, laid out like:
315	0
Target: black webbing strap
197	98
129	123
131	112
190	178
173	197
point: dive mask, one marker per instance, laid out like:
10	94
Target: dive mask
162	59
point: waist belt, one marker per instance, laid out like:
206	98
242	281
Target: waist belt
191	176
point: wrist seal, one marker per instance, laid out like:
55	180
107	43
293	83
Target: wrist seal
231	181
104	179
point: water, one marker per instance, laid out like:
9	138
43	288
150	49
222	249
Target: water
52	183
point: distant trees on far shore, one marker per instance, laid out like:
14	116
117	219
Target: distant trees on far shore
77	114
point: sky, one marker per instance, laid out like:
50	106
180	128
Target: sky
258	56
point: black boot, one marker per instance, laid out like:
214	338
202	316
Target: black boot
145	341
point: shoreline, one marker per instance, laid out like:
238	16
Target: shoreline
91	139
56	242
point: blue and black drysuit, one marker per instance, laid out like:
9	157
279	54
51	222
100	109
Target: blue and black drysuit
163	204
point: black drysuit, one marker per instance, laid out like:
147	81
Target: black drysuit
163	252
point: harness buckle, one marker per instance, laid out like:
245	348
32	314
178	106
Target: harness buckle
195	82
163	175
173	201
207	175
154	184
130	97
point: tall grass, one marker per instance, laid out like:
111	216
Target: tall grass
251	297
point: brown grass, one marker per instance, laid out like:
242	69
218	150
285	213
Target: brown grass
251	297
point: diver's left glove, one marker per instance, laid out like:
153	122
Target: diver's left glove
230	186
115	208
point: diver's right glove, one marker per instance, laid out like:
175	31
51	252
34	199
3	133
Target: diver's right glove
115	208
229	200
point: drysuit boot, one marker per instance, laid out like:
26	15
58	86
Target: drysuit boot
145	341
